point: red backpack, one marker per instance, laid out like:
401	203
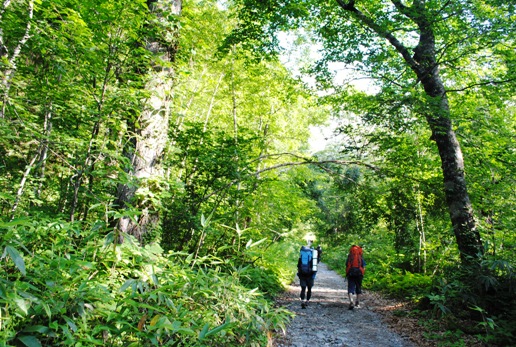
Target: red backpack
354	263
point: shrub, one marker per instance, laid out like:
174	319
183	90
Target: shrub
82	292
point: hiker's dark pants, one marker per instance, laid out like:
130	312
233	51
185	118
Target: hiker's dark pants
306	282
355	284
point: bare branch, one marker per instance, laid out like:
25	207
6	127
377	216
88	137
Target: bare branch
276	155
322	162
485	83
306	161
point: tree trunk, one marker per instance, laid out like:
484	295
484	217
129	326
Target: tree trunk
43	149
452	162
151	133
424	63
10	58
150	141
22	185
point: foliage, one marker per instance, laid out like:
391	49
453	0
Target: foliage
405	285
69	123
456	295
213	166
270	269
410	50
239	191
78	83
99	293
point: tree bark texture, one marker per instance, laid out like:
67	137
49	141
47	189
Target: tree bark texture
424	63
150	136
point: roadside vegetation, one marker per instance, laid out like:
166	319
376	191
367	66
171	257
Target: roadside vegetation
156	181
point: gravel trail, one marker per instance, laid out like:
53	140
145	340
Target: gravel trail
327	321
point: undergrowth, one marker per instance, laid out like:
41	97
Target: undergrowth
62	286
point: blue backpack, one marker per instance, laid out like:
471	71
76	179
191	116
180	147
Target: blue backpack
306	261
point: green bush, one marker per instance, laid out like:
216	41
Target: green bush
475	296
406	285
81	292
264	279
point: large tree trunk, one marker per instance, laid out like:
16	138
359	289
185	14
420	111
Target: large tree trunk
452	163
151	133
424	63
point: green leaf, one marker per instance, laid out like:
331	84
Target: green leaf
126	285
155	279
71	323
36	328
30	341
46	307
16	222
22	305
189	258
203	332
214	330
17	258
205	221
109	239
251	244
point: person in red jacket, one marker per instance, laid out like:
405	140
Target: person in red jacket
355	269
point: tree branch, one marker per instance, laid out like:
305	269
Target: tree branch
403	9
480	84
306	161
386	34
320	164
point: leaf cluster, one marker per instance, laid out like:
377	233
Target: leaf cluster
96	293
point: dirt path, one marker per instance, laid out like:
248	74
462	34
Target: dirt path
327	322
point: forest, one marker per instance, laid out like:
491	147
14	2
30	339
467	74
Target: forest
160	165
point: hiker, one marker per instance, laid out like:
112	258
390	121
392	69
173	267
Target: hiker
319	253
306	274
355	269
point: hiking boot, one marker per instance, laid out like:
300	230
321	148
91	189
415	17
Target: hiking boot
357	305
303	305
351	306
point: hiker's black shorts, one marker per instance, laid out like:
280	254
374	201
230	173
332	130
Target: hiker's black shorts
306	281
355	284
